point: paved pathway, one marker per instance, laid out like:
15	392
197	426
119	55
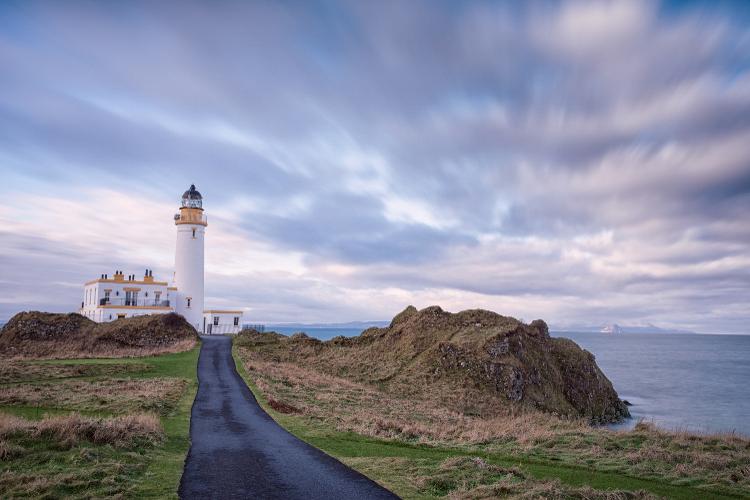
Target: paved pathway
238	451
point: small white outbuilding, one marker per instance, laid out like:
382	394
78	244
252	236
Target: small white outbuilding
218	322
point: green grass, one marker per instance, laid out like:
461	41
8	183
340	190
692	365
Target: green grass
396	464
87	470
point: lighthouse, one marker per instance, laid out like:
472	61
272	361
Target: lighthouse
188	260
124	296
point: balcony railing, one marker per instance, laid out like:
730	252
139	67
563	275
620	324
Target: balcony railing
133	302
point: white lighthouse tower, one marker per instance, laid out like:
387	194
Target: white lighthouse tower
188	261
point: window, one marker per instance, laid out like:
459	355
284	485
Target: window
188	301
236	321
120	316
216	321
193	233
110	316
157	297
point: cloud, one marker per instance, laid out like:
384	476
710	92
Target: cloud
574	160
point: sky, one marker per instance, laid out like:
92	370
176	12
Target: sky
581	162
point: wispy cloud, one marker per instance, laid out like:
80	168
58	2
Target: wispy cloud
573	160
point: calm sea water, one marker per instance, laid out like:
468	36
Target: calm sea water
679	381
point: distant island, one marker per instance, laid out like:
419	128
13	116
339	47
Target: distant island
616	329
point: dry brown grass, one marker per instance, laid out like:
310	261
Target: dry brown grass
18	371
474	362
111	351
548	490
467	477
472	478
116	395
346	405
361	408
69	430
38	335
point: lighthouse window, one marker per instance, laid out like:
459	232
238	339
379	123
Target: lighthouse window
188	302
193	233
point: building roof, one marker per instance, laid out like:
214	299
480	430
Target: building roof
192	194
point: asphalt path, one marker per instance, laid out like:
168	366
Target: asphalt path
238	451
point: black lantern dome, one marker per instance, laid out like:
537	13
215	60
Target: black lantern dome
192	198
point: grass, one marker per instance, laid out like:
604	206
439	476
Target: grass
12	372
419	450
84	428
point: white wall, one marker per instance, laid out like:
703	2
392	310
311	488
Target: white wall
225	320
188	275
145	303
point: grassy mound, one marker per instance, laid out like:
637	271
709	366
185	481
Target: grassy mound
48	335
475	362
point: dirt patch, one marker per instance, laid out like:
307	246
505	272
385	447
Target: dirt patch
282	407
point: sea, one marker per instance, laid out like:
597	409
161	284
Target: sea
698	383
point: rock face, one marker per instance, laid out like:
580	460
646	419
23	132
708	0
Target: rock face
38	335
476	361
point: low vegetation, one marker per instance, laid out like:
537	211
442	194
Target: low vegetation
475	363
30	371
67	431
158	394
95	428
415	442
39	335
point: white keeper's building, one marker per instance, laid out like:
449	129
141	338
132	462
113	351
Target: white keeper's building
122	296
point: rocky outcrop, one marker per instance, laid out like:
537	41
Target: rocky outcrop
39	335
475	361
